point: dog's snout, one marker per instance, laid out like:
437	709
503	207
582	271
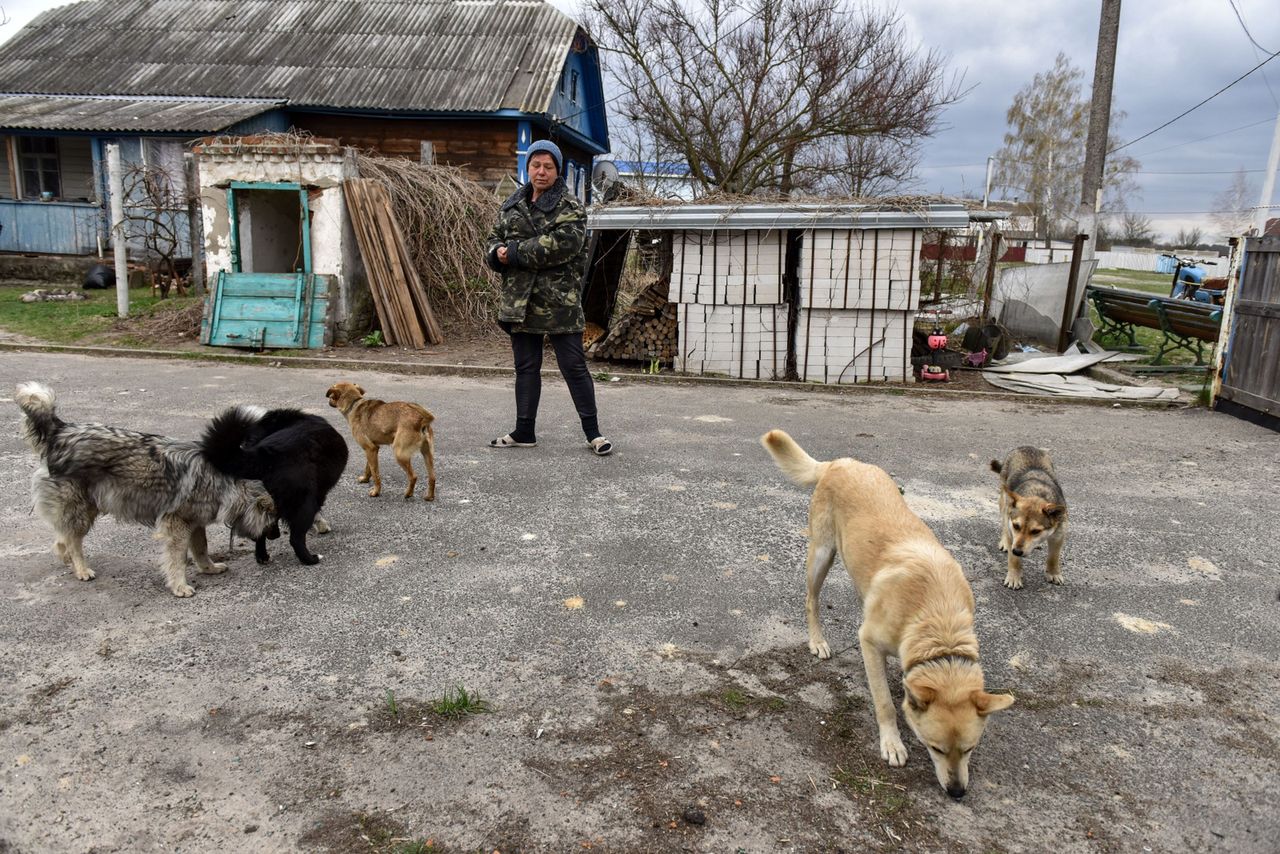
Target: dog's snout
1017	552
956	791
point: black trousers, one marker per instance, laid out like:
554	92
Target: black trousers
526	348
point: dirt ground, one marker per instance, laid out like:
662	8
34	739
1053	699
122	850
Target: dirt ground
636	626
463	346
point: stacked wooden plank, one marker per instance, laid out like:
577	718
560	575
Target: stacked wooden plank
729	288
646	331
858	295
398	297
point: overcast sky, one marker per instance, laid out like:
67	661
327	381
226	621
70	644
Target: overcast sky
1172	54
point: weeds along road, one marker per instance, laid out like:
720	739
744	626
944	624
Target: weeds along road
635	626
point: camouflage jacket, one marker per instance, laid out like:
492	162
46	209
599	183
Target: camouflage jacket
547	255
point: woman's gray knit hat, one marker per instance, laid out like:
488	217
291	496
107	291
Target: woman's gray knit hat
549	147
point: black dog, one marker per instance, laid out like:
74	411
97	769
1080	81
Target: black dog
298	457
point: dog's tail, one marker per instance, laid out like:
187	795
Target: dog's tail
427	418
37	404
223	440
791	458
996	467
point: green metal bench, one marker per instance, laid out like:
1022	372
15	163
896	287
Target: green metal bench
1184	324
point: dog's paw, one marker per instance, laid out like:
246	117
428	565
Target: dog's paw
183	591
214	568
312	560
821	648
320	526
1013	582
86	574
1054	578
375	492
364	478
892	750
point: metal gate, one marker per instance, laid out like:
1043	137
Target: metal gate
1251	361
268	310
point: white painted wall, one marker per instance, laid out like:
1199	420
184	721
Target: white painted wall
319	167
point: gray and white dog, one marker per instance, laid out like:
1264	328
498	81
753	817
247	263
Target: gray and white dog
91	469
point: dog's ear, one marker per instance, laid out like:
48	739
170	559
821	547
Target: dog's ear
1053	511
359	389
1011	495
987	703
919	698
332	392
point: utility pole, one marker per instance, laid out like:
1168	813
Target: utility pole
119	237
1268	183
1095	152
986	192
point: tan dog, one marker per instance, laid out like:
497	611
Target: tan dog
916	605
1032	511
406	427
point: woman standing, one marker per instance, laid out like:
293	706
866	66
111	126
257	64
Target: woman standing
539	247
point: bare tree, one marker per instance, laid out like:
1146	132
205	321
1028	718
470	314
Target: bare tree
858	166
748	92
1136	230
1233	207
1188	238
154	209
1043	155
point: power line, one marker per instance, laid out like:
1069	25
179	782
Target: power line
1256	47
1203	138
1197	106
1245	27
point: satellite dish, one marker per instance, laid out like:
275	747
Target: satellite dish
604	174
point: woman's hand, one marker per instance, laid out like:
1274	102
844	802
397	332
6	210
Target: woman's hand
502	255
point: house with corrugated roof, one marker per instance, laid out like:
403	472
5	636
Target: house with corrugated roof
470	83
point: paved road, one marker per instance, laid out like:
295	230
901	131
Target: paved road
636	624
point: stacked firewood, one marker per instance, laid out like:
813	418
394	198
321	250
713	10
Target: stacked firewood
647	330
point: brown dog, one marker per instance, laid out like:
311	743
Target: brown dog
406	427
916	605
1032	511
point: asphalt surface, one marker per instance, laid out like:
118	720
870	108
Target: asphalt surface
636	625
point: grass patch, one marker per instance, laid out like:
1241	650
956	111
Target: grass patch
887	798
75	321
1153	283
740	701
458	703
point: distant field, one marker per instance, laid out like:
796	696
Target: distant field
1156	283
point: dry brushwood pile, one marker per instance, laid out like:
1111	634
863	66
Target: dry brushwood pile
445	217
647	330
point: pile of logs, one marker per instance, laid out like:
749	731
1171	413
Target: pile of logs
647	330
398	296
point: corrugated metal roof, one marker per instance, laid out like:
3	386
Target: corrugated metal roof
411	55
75	112
775	215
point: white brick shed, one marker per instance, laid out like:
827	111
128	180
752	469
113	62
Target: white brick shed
832	289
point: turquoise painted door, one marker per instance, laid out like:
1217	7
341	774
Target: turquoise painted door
268	310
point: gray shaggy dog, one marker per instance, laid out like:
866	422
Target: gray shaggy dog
89	469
